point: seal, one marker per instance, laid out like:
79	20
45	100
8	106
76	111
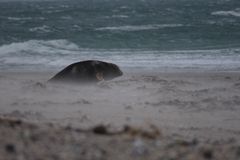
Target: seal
90	71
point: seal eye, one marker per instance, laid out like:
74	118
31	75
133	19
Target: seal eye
99	76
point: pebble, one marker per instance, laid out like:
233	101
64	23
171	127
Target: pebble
207	154
139	148
10	148
238	151
129	107
100	129
40	85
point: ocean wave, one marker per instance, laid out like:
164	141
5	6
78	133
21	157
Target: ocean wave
54	11
41	29
120	16
66	17
37	53
24	18
235	13
139	27
19	18
39	47
56	54
64	6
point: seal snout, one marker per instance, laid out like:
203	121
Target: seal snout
120	73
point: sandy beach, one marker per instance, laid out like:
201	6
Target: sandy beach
170	115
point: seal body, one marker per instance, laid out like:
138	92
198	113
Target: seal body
90	71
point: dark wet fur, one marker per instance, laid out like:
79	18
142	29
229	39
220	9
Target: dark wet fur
85	72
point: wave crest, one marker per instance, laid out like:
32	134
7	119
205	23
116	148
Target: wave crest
41	29
235	13
37	53
55	54
139	27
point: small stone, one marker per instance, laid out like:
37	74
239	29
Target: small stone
195	141
14	123
85	101
68	128
238	151
129	107
40	85
187	143
128	119
207	154
34	138
84	118
100	129
139	148
10	148
173	154
158	143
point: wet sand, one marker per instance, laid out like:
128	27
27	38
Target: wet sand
196	114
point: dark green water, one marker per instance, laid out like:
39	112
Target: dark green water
114	29
158	24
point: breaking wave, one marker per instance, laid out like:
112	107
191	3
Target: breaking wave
139	27
56	54
235	13
41	29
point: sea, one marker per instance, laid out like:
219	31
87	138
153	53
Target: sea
156	35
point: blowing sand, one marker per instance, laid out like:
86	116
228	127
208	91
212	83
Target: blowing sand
178	115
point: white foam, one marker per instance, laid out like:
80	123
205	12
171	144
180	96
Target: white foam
38	46
139	27
66	17
41	29
53	10
124	7
19	18
57	54
35	53
24	18
200	59
64	6
120	16
235	13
